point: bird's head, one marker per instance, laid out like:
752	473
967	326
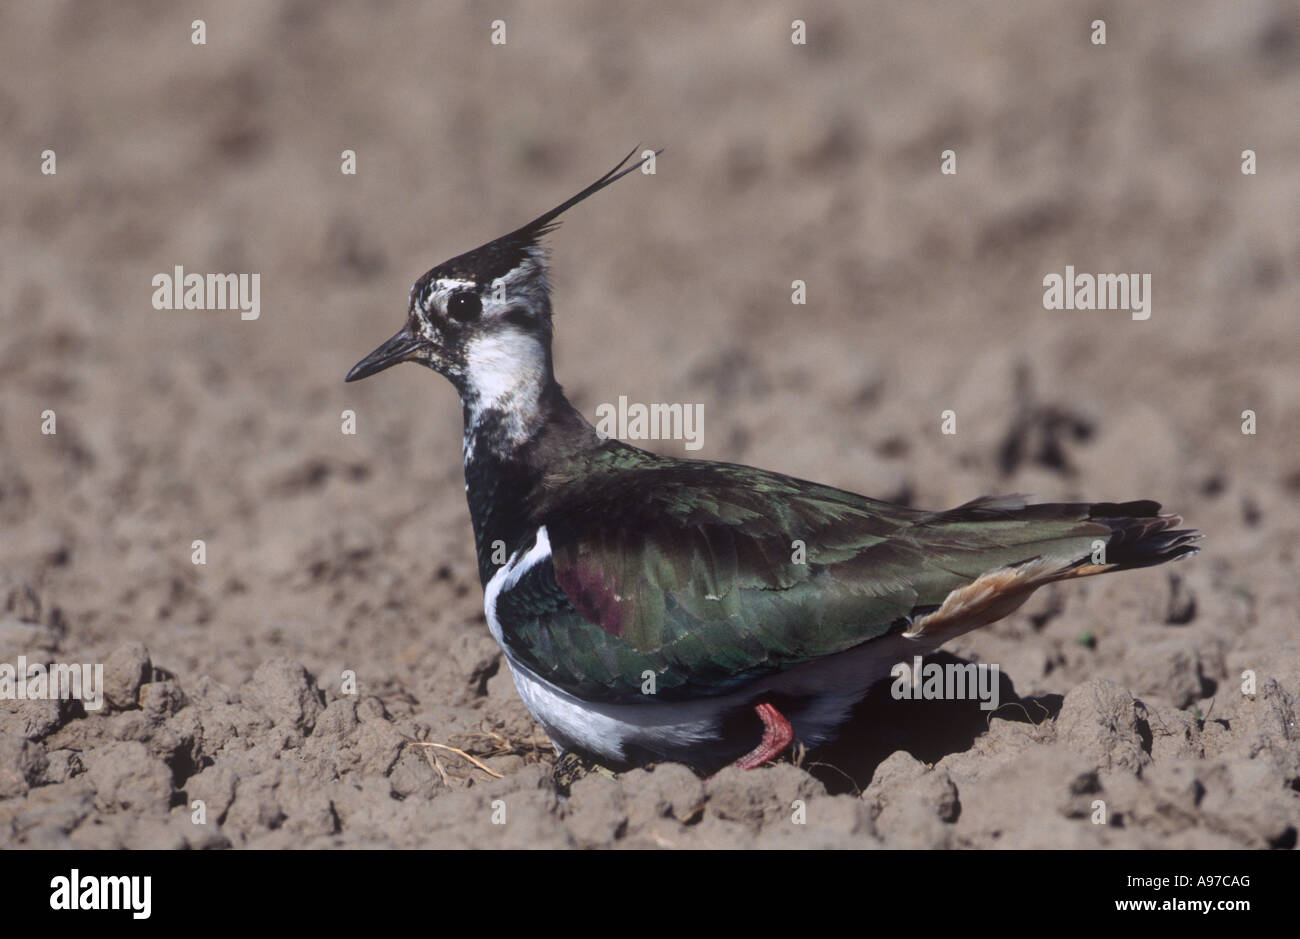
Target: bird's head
483	318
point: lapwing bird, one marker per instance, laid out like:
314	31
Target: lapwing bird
652	608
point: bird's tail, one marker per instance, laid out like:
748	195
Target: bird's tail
1019	548
1131	534
1140	536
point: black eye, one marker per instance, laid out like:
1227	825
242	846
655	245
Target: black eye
464	307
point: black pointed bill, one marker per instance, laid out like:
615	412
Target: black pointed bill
398	349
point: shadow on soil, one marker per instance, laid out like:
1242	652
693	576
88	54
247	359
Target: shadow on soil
928	730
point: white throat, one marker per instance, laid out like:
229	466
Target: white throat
506	373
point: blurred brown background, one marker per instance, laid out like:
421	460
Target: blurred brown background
817	162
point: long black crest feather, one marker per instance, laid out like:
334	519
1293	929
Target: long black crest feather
501	255
546	222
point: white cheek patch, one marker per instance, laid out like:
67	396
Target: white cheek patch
506	370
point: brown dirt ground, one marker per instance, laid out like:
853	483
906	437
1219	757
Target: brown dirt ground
328	552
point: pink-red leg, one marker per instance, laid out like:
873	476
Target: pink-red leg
777	735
